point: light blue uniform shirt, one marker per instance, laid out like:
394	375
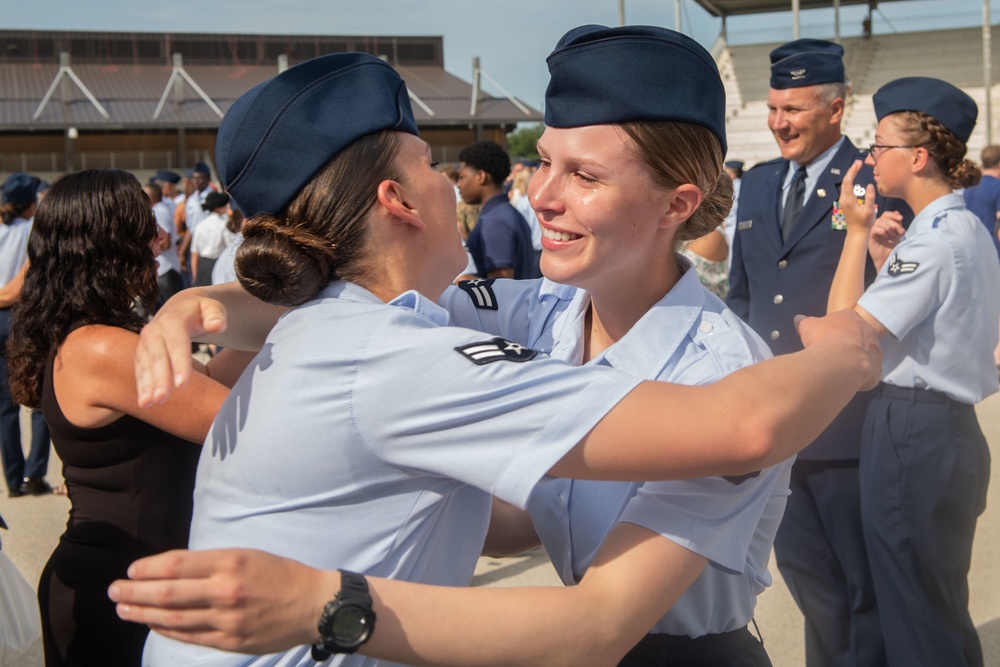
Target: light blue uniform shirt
937	296
362	438
688	337
13	248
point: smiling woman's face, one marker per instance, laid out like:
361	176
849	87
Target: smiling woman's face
598	206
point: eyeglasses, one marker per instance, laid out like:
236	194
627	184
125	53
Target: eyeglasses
872	147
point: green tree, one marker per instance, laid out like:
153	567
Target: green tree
521	142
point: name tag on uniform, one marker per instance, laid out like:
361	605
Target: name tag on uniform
744	224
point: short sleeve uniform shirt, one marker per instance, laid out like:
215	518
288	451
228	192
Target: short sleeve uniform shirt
689	337
368	436
937	295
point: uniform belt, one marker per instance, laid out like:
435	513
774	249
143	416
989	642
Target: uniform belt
914	395
662	649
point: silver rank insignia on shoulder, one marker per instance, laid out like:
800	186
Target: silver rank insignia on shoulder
744	224
897	266
496	349
481	293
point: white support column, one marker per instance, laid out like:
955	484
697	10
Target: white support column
988	71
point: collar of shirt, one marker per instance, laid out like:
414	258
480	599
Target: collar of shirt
925	219
652	341
814	169
493	202
412	299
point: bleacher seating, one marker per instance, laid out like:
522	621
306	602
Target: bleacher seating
952	55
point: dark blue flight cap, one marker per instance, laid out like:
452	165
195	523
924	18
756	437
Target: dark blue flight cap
167	176
201	168
20	188
736	165
603	75
806	62
950	106
275	138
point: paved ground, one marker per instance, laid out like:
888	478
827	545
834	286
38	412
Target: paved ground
36	522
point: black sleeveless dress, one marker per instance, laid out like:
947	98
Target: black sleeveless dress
130	486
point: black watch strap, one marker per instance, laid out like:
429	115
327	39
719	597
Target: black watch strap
354	592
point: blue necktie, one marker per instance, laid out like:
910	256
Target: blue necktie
793	204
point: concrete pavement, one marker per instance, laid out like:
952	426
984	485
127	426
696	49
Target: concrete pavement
36	522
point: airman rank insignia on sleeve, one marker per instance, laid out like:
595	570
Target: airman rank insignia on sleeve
496	349
481	293
898	267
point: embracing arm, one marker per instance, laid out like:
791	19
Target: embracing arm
222	314
93	378
254	602
749	420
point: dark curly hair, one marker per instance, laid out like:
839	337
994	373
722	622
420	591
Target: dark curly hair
90	262
946	150
286	259
488	156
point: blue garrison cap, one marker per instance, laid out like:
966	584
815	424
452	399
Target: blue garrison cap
603	75
275	138
20	188
201	168
806	62
950	106
167	176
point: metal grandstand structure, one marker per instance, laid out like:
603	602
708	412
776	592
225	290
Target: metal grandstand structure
728	8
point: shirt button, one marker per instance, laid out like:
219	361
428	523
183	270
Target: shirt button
778	299
706	327
775	335
782	264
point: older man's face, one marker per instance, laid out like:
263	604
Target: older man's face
802	124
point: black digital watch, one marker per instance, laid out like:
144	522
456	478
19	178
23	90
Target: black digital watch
347	621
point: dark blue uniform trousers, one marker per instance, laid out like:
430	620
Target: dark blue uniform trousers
925	468
820	552
15	467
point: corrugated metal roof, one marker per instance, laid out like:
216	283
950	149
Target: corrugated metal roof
130	93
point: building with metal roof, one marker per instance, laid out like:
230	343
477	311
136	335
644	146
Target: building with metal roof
145	101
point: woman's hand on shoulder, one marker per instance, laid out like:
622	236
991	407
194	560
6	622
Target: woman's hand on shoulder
163	359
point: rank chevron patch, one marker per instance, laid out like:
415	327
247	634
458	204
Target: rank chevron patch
481	293
496	349
897	266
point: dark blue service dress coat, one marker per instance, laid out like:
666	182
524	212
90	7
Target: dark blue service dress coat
773	279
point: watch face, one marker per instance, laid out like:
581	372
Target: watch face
350	625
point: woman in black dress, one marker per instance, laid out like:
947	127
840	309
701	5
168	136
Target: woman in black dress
129	471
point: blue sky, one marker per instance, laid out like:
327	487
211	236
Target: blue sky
511	38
